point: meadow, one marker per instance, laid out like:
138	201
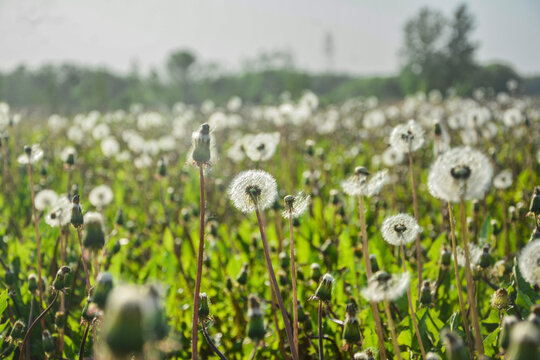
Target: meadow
402	230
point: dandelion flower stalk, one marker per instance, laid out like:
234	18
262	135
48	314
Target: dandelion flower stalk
392	330
323	294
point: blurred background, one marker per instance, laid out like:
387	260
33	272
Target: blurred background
69	56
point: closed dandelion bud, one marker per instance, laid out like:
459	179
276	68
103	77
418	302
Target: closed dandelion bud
524	342
296	223
485	259
162	167
446	257
437	130
86	314
534	207
10	277
351	330
28	150
156	319
432	356
534	316
426	298
243	275
186	214
300	275
495	227
324	290
18	331
70	159
500	299
213	227
94	237
283	278
119	217
476	206
507	324
315	272
102	289
59	319
454	347
256	330
521	209
374	263
32	283
59	280
512	213
77	219
204	307
310	147
228	284
470	224
334	197
284	260
47	341
201	145
357	251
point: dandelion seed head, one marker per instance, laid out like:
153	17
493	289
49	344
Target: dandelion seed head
262	147
385	287
110	146
45	199
203	148
100	196
253	189
529	262
475	253
32	154
391	157
460	173
512	117
60	213
503	180
400	229
407	137
296	205
359	184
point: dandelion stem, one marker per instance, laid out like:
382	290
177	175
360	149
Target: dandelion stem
392	330
293	278
365	248
415	208
87	277
411	307
30	319
211	343
195	323
458	280
470	282
83	341
39	318
505	229
321	349
38	239
274	284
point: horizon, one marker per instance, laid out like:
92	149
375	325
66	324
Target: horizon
34	34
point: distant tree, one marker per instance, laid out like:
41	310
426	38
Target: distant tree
179	64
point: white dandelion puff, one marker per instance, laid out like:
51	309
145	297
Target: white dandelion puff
512	117
45	199
100	196
503	180
296	205
475	253
529	262
400	229
32	156
60	213
391	157
253	189
460	173
386	287
407	137
262	146
110	146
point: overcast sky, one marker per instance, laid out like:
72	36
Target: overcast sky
367	33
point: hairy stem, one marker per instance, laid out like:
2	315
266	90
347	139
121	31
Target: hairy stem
85	267
321	349
211	343
392	330
415	208
293	278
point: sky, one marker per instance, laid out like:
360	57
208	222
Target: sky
367	34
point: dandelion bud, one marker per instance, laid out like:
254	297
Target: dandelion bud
534	317
310	147
86	314
102	289
70	159
77	219
432	356
123	331
59	280
524	342
500	299
426	298
32	283
315	272
10	277
204	307
59	319
256	330
17	332
454	346
94	237
476	206
201	143
186	214
512	213
119	217
446	257
351	330
284	260
229	284
361	171
534	207
507	324
243	275
27	150
283	278
162	167
334	197
48	342
485	259
437	129
374	263
324	290
495	227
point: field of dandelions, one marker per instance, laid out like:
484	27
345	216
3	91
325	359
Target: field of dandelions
362	230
